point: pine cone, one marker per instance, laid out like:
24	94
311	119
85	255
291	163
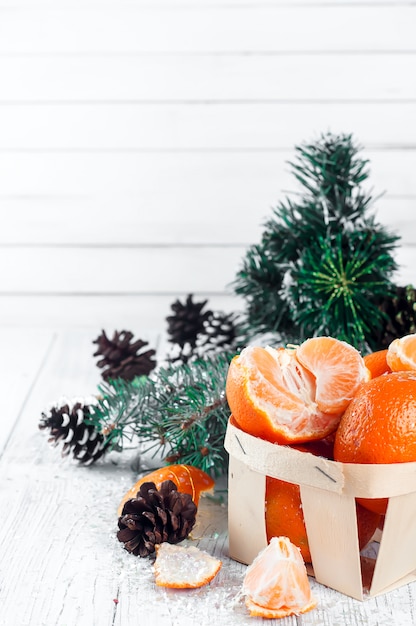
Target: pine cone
188	321
66	424
121	358
155	516
401	316
219	333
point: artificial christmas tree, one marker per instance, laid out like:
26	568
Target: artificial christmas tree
323	262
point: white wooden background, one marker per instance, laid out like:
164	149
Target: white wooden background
143	143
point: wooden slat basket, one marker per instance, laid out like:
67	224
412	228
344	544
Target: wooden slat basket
328	491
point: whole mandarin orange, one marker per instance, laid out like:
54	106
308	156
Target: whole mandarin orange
379	425
284	516
376	362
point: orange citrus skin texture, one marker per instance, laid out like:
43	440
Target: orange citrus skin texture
276	583
290	395
284	515
187	478
379	426
376	363
401	354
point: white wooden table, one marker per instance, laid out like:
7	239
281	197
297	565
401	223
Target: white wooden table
60	561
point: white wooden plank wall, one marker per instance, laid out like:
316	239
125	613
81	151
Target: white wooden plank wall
143	144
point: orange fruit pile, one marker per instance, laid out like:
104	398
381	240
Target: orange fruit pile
294	394
187	478
276	583
181	567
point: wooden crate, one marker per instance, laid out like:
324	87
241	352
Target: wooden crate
328	491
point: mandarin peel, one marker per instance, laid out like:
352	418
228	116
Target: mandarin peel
179	567
187	478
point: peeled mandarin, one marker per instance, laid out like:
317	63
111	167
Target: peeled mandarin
276	584
298	394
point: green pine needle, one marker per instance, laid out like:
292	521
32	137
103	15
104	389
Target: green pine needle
335	289
181	412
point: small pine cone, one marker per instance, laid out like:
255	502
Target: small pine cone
187	322
155	516
219	333
66	425
121	358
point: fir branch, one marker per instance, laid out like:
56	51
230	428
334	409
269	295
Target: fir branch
180	412
118	404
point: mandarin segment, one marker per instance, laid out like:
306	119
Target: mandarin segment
276	583
187	478
181	567
338	369
401	354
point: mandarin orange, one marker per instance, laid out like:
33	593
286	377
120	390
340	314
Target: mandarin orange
401	354
187	478
284	516
379	426
276	583
376	363
297	394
